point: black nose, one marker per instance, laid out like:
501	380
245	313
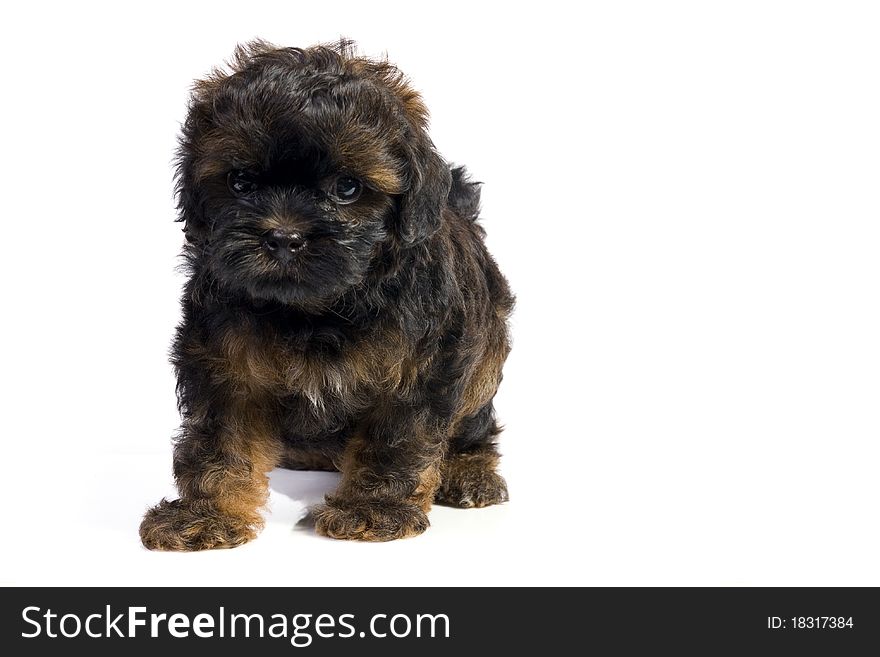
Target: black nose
282	244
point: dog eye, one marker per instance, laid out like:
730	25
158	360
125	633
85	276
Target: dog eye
346	189
241	183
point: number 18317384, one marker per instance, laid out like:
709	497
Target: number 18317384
810	623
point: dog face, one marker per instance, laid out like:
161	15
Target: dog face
299	168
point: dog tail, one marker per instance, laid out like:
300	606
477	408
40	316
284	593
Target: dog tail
464	195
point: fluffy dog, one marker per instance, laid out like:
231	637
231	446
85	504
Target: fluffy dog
342	311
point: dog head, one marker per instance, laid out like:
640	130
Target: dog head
298	168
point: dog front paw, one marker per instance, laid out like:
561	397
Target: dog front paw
369	520
190	525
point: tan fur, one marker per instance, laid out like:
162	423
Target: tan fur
429	482
369	508
254	441
470	480
250	448
484	378
257	363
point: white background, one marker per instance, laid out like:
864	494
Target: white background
684	196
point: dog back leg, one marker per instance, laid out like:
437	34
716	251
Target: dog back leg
468	476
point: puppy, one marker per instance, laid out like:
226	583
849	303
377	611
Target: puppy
341	311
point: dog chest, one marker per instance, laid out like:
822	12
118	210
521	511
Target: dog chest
266	362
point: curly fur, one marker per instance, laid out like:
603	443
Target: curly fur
377	350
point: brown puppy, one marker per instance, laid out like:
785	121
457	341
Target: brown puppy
342	311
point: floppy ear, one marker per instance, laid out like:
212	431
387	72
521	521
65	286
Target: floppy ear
422	204
190	203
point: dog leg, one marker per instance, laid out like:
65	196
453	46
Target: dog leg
221	470
467	473
389	478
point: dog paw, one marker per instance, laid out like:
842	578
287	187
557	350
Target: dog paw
476	488
186	526
369	520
